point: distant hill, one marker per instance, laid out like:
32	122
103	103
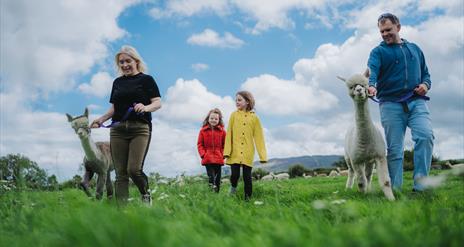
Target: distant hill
282	164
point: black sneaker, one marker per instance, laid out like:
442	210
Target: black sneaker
146	199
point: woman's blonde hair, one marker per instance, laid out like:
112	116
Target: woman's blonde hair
217	111
132	52
248	98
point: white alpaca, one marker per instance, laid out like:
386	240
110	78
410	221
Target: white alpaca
364	144
97	156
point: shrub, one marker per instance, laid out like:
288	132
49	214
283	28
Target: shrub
341	163
22	172
296	171
259	173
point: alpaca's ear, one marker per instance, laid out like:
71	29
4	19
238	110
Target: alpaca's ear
86	112
367	73
341	78
69	117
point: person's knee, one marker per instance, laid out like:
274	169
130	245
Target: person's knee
395	153
134	171
423	135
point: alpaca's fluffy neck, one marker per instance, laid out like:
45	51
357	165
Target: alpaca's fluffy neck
364	125
90	149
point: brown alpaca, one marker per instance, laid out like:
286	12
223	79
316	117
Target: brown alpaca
97	157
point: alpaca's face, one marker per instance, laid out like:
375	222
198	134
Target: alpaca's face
358	92
81	126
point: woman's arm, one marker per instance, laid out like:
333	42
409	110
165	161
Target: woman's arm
99	121
153	106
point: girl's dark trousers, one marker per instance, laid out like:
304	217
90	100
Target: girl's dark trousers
129	145
235	168
214	175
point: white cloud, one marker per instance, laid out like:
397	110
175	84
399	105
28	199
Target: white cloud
173	149
46	45
264	13
100	85
198	67
190	100
449	145
453	7
303	138
187	8
55	42
212	39
275	96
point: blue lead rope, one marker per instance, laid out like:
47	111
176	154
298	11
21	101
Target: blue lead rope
402	99
124	118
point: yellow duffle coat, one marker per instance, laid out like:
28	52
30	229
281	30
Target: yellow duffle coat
244	132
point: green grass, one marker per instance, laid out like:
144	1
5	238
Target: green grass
297	212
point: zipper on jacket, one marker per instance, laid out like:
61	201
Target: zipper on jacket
405	66
212	136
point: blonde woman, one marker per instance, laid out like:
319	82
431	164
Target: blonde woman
134	97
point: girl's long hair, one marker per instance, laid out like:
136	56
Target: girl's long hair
217	111
248	98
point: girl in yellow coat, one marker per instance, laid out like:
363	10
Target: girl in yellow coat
244	132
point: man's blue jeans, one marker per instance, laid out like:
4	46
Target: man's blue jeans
394	121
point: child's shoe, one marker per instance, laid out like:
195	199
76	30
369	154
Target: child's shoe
232	191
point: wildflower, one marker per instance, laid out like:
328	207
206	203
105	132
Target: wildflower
318	204
163	196
259	203
338	202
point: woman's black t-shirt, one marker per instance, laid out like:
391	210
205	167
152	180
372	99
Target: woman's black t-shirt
129	90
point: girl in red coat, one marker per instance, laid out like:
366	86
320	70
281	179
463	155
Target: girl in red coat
211	146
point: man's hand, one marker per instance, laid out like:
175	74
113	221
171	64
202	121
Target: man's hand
371	91
421	89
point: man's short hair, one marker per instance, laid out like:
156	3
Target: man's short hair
388	16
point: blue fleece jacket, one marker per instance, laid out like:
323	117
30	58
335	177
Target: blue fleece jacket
397	69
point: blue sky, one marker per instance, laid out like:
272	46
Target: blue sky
57	58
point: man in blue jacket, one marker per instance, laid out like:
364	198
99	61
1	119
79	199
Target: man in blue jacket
400	79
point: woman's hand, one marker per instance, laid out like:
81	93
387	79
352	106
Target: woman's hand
96	123
139	107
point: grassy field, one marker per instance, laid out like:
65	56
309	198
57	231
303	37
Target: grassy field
297	212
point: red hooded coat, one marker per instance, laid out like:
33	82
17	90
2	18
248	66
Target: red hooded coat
211	144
